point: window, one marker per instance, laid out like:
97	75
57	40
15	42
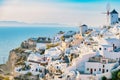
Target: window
100	48
99	69
103	70
103	66
107	70
117	59
104	61
87	69
104	48
115	47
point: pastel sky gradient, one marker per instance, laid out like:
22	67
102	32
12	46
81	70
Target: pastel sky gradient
68	12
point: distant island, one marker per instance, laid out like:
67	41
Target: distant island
17	23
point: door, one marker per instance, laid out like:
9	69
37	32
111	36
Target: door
103	70
91	71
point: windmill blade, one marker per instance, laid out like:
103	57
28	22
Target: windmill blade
108	7
103	13
107	13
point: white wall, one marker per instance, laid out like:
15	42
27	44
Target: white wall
97	65
116	42
112	55
85	57
107	75
97	77
87	77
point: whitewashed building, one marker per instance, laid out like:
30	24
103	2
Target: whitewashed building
110	42
35	57
53	53
99	65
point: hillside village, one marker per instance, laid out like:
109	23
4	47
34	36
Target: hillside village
90	54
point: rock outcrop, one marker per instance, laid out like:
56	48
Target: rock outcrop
16	57
28	44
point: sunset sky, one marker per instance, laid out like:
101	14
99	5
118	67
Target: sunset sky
68	12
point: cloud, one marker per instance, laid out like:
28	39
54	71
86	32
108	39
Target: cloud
44	11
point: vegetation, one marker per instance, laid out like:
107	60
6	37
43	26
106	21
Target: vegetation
116	75
91	39
20	61
42	51
4	78
52	45
104	26
104	78
19	50
61	32
109	27
29	74
101	35
40	70
62	38
1	77
26	67
22	45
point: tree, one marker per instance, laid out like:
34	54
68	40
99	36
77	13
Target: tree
118	75
104	78
29	74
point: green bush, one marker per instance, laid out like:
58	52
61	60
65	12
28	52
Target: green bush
52	45
62	38
1	77
104	78
116	75
19	50
4	78
26	67
29	74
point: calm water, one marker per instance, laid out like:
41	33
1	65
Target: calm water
11	37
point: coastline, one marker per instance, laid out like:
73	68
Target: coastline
13	36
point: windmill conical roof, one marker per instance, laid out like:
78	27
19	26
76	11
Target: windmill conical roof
114	12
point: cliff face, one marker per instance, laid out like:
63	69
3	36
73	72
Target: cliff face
9	66
29	44
16	57
12	60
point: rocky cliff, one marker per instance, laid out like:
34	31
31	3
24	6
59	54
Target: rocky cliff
16	57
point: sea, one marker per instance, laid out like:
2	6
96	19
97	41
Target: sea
11	37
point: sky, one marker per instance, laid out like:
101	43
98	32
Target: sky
66	12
